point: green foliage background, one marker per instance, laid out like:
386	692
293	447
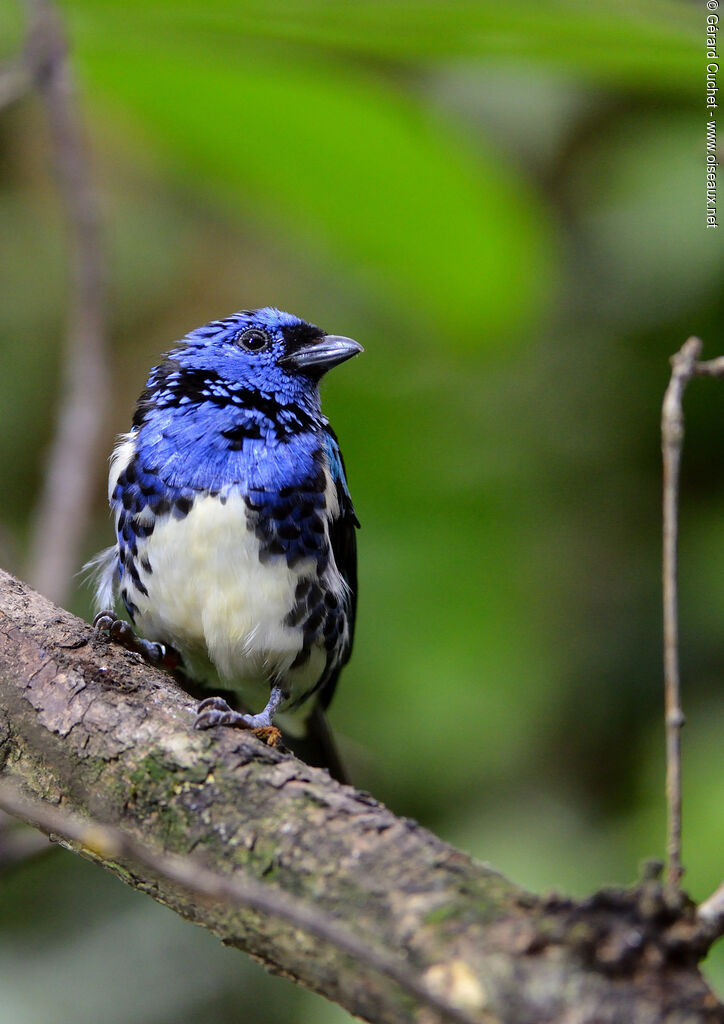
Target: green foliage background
505	205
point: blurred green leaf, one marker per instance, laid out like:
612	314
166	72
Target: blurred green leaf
11	28
349	167
639	42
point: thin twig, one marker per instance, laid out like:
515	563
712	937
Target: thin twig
19	75
685	365
672	438
64	505
111	843
711	913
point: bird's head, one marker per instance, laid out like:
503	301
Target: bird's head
265	349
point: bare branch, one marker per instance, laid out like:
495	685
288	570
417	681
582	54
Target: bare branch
685	365
112	843
710	368
102	736
64	506
672	439
16	81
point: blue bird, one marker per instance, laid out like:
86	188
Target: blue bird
235	528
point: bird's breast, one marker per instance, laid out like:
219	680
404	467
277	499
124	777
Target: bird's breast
226	609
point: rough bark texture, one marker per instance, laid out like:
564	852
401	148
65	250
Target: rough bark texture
88	726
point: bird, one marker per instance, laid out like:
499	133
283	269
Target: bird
235	530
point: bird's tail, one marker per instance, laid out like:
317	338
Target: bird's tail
316	746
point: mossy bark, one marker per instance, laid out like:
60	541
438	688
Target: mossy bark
88	726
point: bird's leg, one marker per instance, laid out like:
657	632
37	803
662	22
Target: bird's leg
215	711
120	631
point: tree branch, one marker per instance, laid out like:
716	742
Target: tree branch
92	730
63	508
111	843
685	364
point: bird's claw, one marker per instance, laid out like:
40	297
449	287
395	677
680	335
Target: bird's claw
123	634
216	711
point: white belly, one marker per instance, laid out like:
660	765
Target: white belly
211	598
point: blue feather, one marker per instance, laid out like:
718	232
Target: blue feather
234	522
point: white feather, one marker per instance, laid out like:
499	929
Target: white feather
120	459
211	598
103	569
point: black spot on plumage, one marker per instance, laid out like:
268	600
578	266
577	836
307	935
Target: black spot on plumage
296	615
330	600
127	499
146	565
307	596
305	509
133	573
323	559
314	621
302	657
172	386
145	529
263	527
280	511
332	632
182	507
292	520
161	507
131	473
315	524
237	434
271	549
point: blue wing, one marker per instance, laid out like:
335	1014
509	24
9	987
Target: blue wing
343	539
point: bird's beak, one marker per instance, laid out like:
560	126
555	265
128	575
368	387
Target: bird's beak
319	356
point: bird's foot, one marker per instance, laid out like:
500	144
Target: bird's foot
215	711
123	634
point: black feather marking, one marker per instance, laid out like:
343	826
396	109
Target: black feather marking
171	386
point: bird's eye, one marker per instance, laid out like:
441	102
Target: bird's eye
252	339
